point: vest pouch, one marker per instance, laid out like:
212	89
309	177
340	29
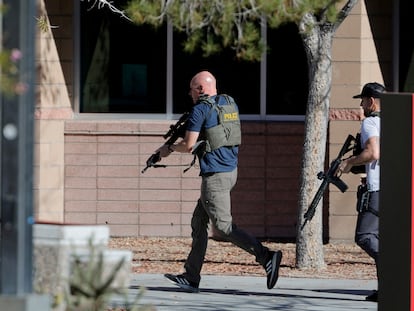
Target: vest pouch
362	198
228	130
221	135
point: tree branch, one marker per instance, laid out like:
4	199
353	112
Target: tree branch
344	12
102	3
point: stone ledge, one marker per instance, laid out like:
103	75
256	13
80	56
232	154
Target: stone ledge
66	234
56	245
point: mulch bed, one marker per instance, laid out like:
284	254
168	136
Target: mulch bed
167	255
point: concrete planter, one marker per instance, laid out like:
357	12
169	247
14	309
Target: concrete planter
56	245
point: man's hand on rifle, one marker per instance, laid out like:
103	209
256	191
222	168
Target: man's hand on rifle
344	167
369	153
165	150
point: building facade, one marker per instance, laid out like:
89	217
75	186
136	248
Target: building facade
104	102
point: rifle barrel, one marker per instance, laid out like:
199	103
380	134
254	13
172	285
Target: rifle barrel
329	177
318	196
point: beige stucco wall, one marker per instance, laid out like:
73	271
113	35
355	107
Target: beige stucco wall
53	107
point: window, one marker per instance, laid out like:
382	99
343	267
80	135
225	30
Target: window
287	75
406	49
120	75
239	79
130	69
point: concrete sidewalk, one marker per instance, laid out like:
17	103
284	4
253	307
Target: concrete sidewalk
250	293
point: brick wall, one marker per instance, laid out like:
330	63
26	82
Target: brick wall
266	195
104	184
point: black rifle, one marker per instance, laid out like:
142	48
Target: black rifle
330	177
176	131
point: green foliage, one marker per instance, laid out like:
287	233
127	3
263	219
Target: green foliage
9	68
144	12
213	25
90	288
9	73
42	23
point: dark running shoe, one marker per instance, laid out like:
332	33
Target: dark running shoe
182	282
272	268
373	297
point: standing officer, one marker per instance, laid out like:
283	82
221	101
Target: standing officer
367	228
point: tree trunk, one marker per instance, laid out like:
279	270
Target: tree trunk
317	43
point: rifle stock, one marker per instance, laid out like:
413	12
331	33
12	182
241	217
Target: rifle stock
176	131
330	177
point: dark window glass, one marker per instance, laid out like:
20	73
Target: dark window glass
239	79
287	72
406	67
123	69
123	66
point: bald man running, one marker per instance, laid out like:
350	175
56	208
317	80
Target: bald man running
218	170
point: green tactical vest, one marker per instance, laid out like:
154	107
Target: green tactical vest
228	131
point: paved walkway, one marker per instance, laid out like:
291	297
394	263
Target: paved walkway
231	293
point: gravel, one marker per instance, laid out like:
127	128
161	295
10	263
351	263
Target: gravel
167	255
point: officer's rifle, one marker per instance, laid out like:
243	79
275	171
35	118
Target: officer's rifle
330	177
176	131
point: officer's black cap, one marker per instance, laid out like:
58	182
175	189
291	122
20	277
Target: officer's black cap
372	89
